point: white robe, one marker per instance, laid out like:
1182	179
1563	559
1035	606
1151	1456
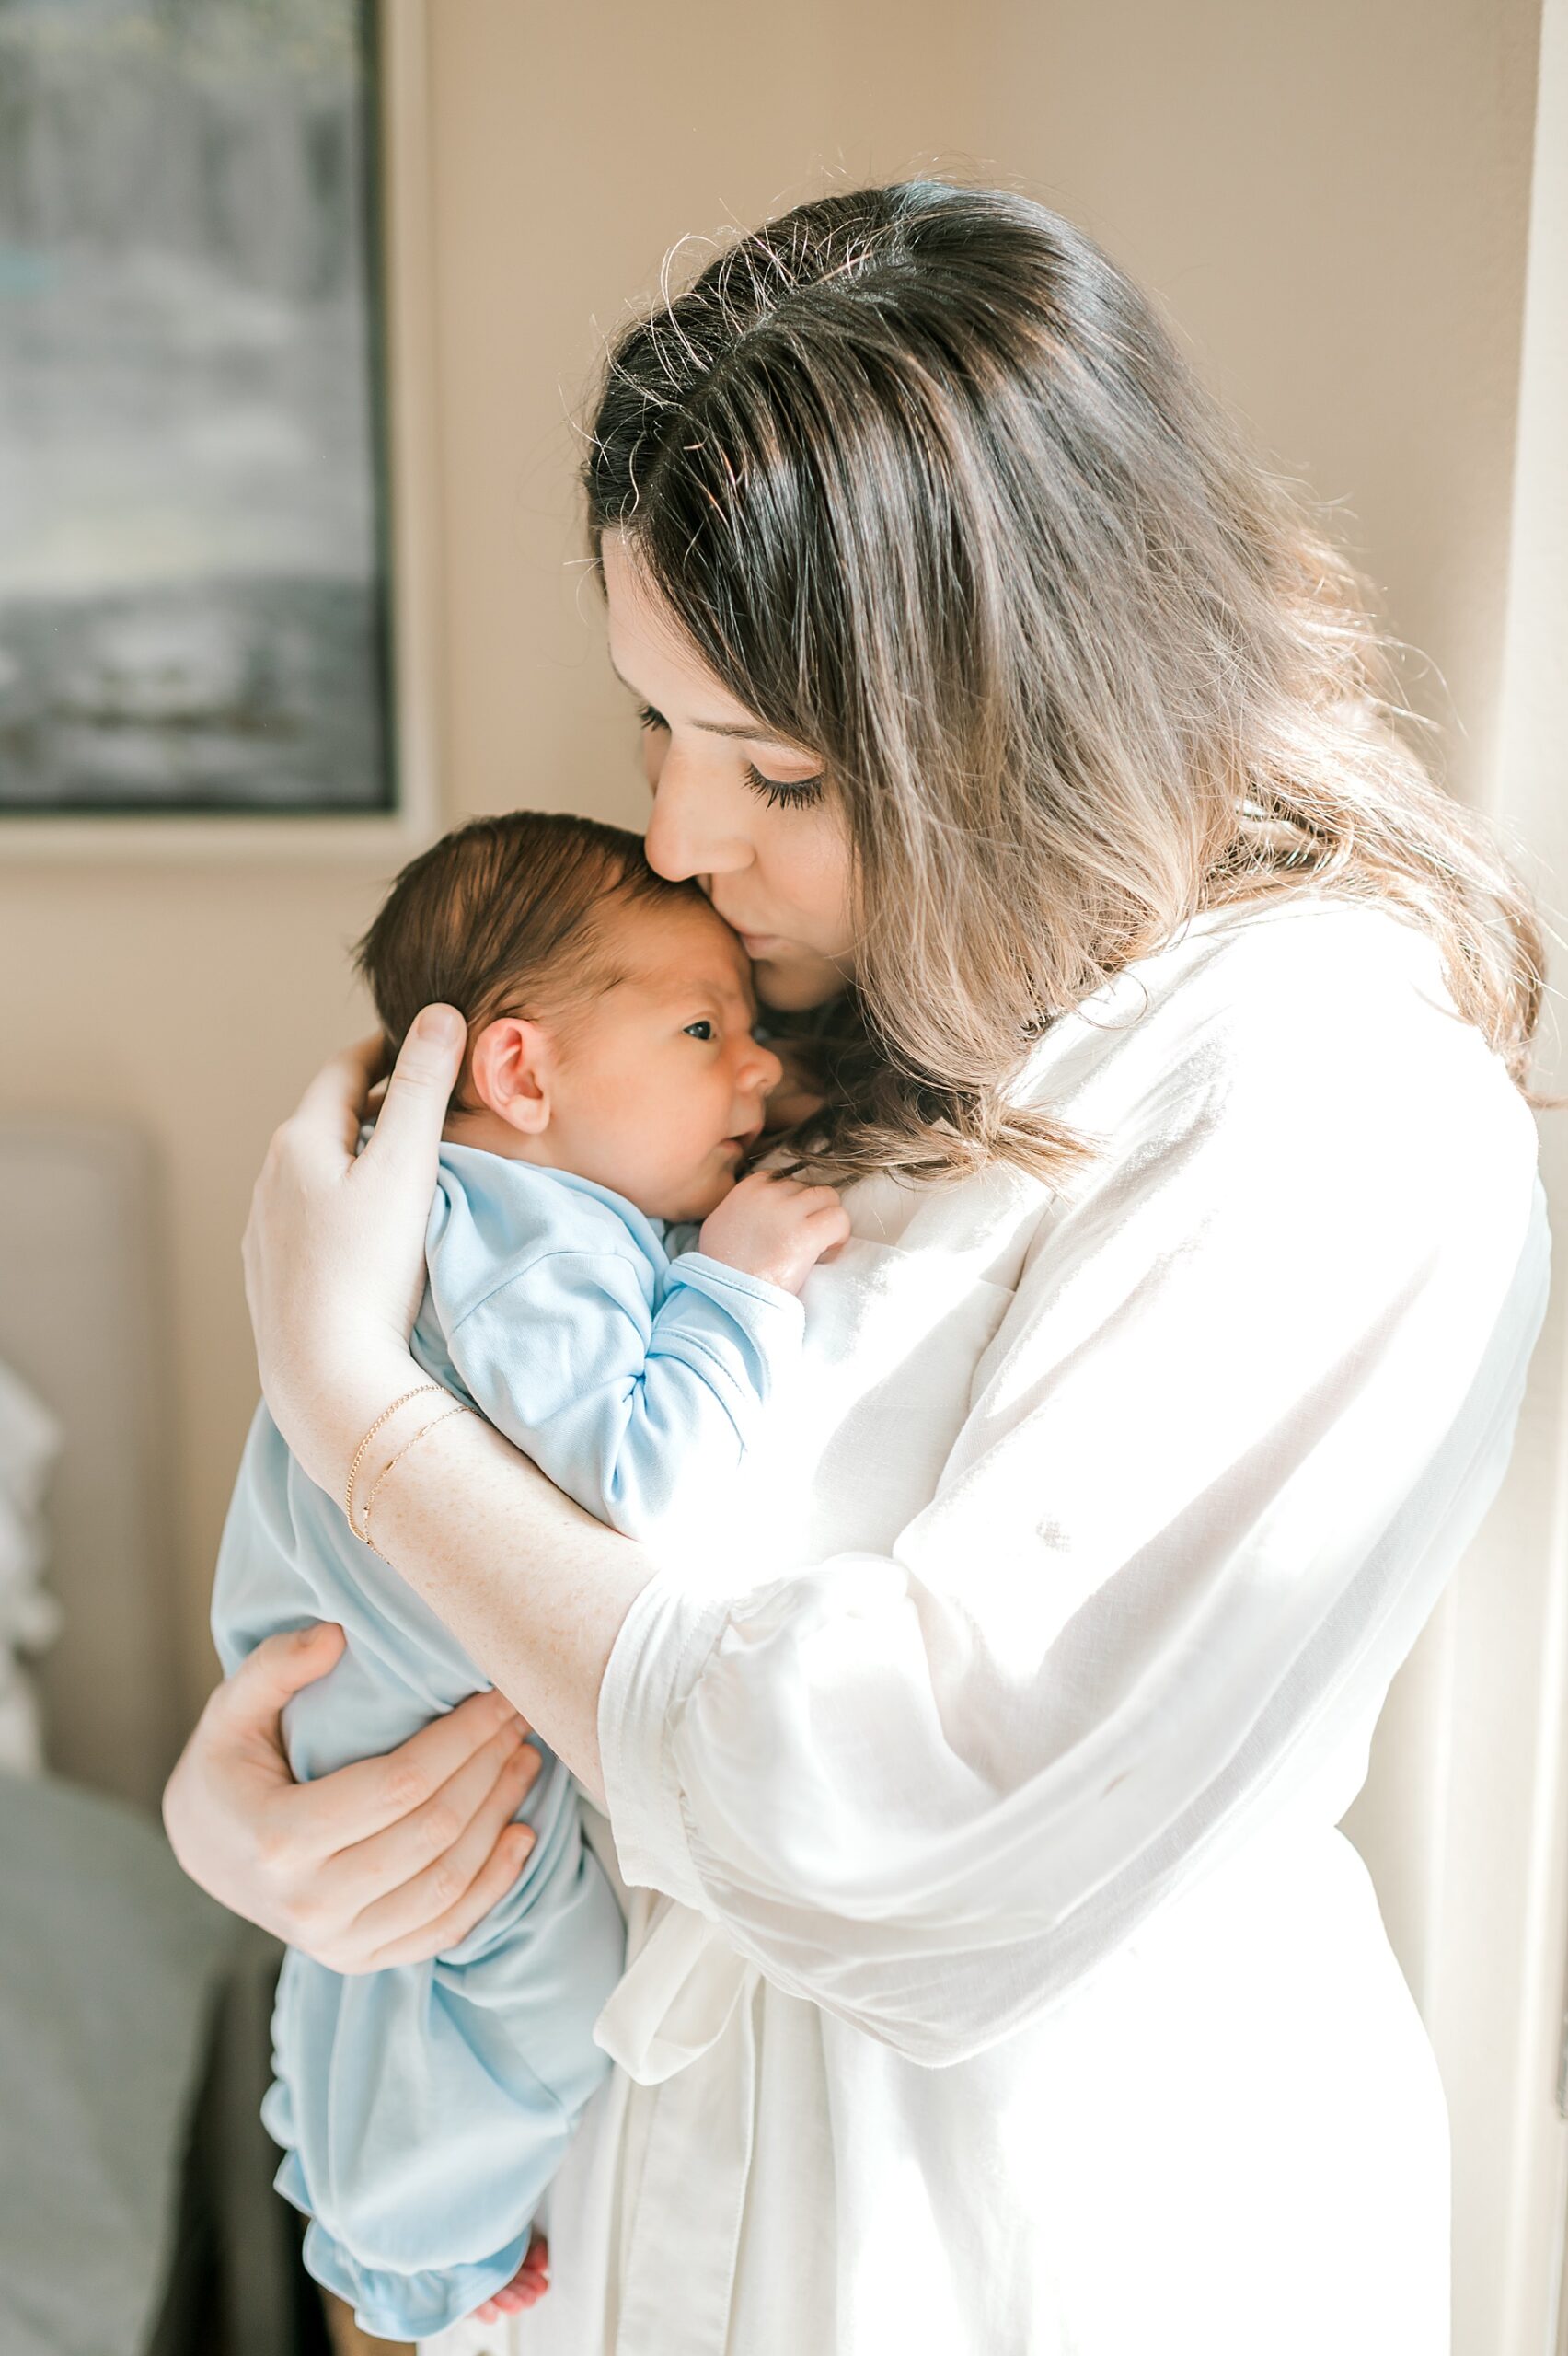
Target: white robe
998	1980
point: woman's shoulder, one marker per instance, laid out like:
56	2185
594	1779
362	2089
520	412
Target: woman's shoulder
1272	1023
1266	958
1301	983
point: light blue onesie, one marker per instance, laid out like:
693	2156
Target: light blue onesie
423	2110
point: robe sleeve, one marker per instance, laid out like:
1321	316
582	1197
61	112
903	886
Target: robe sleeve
1256	1386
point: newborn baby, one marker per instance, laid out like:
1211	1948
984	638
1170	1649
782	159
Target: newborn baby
611	1085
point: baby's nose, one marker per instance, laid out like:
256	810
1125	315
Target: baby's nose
767	1071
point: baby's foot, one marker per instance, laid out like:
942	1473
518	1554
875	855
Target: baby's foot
531	2281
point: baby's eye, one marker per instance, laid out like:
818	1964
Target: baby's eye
703	1030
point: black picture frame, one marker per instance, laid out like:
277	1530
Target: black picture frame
196	596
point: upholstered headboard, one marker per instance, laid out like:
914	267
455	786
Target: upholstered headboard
81	1321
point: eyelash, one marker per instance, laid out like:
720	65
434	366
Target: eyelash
798	794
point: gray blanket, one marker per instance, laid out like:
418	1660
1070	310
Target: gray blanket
109	1965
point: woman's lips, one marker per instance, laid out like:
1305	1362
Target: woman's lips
756	944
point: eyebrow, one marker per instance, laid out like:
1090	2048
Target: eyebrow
753	728
728	995
678	993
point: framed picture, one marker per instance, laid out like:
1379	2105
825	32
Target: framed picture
216	591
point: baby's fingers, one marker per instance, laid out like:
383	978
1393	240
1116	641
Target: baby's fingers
829	1227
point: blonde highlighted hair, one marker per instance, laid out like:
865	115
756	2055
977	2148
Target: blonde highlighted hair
927	483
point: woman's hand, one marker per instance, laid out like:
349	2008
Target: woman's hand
385	1862
334	1252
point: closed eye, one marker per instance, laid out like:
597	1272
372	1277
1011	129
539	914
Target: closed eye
778	794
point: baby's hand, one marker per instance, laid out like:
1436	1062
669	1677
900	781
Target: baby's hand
775	1228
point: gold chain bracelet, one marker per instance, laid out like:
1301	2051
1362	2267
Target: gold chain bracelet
384	1417
392	1462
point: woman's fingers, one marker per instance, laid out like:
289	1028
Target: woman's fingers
250	1703
229	1806
415	1916
334	1254
411	1856
408	1126
347	1809
331	1106
394	1890
506	1860
310	1861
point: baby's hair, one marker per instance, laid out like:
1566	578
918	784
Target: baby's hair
503	916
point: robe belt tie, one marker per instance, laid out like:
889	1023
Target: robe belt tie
683	1989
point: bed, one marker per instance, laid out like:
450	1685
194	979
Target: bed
136	2215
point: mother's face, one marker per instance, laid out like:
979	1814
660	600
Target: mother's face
748	815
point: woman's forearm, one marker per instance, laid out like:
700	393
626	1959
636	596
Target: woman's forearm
533	1587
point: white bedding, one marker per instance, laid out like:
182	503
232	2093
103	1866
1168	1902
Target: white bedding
30	1443
82	1322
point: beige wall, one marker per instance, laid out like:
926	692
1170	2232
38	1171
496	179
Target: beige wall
1330	197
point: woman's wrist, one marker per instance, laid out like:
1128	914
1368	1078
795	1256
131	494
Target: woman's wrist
370	1472
325	1430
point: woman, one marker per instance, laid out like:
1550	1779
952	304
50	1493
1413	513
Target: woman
998	1979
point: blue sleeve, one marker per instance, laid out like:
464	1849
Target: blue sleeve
628	1409
423	2110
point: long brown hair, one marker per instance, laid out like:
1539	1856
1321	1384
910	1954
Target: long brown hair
928	485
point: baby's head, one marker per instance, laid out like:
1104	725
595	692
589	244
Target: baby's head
609	1012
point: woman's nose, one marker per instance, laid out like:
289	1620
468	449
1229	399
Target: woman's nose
683	839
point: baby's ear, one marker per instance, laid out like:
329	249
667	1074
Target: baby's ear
508	1064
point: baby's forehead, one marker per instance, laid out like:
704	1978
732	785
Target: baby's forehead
671	949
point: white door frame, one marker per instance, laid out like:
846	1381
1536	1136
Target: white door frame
1465	1818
